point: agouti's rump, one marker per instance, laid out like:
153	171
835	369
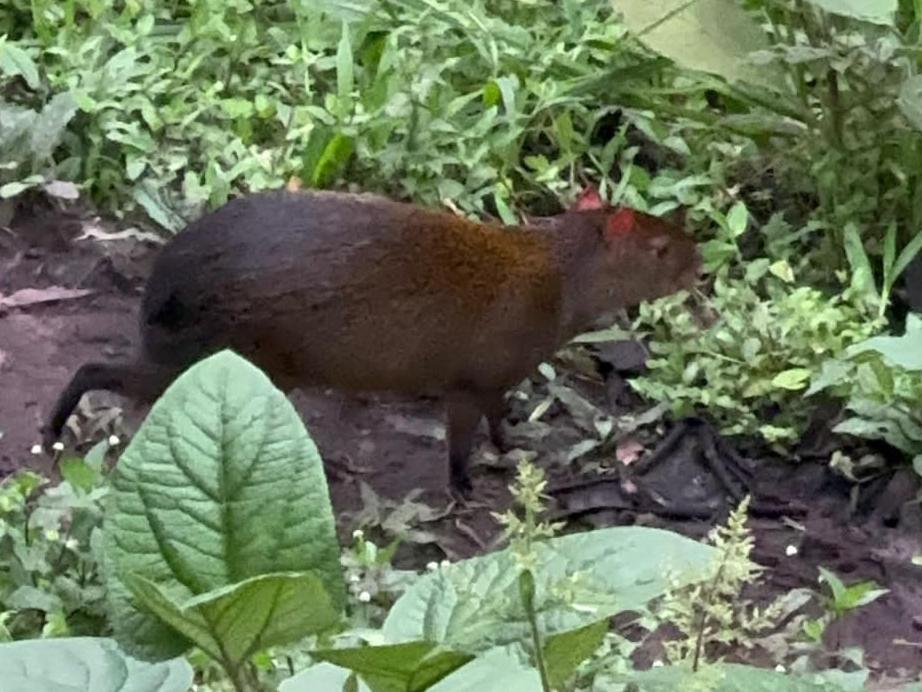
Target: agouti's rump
358	292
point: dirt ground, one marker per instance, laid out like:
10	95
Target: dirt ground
66	299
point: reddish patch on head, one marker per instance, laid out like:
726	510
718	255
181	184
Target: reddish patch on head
588	200
621	222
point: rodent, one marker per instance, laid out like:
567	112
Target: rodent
360	292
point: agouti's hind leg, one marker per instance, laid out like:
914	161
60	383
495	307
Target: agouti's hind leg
140	381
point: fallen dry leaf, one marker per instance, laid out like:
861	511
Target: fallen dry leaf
31	296
629	450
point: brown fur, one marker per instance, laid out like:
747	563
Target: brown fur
358	292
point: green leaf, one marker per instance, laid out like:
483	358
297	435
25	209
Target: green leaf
793	379
474	604
725	677
50	125
902	351
737	219
910	101
14	61
408	666
85	664
714	36
344	74
220	484
603	335
874	11
907	255
862	274
501	668
835	584
782	270
78	473
332	161
12	189
148	196
323	676
234	622
565	651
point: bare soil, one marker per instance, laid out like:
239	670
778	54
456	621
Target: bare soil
65	300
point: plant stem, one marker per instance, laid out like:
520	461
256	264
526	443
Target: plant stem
527	589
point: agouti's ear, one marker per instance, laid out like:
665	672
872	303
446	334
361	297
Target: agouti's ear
589	199
619	224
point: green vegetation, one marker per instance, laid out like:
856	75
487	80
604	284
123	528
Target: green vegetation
210	545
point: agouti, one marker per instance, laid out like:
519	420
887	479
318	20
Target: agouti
359	292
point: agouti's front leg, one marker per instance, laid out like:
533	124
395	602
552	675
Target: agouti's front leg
463	416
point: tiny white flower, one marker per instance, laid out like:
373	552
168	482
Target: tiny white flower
657	664
445	563
432	566
791	550
72	544
36	449
113	440
358	533
364	597
58	446
354	578
779	668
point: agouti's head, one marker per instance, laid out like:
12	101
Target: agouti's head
634	256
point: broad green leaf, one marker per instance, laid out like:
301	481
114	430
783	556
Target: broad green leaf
220	484
835	584
910	101
12	189
724	677
782	270
737	219
501	668
408	666
147	195
874	11
323	676
903	351
234	622
474	604
714	36
832	373
85	664
50	125
794	379
78	473
14	61
565	651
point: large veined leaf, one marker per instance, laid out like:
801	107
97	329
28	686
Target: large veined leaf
903	351
85	664
234	622
221	484
733	677
475	604
874	11
714	36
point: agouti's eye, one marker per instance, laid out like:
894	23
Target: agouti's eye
660	245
